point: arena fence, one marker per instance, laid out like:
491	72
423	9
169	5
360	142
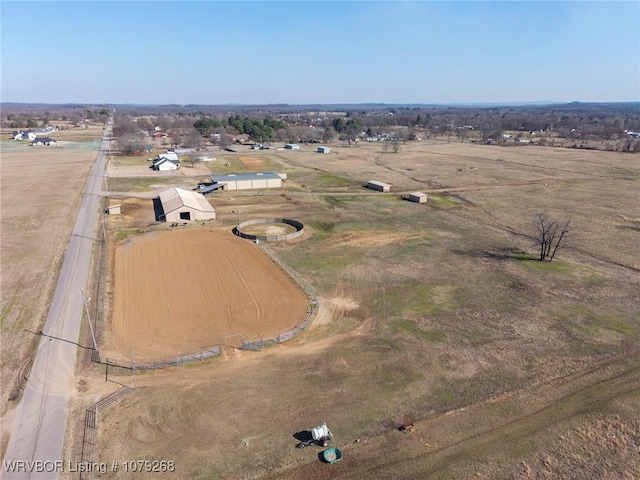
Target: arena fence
270	238
90	435
177	361
213	351
310	314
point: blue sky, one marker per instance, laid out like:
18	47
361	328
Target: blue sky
297	52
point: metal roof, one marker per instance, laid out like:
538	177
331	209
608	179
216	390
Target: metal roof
238	177
175	198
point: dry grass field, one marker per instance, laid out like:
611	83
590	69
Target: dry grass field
434	314
41	189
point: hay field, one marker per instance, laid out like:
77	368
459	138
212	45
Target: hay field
434	314
176	292
41	189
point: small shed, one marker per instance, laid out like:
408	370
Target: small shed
418	197
380	186
292	146
115	209
324	150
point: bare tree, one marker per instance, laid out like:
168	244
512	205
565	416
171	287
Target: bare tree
193	158
550	235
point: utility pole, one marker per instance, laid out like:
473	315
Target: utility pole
86	309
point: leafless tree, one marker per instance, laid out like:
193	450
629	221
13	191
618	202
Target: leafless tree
225	140
550	235
193	139
193	158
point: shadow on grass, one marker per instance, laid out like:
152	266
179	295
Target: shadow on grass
158	210
499	254
303	436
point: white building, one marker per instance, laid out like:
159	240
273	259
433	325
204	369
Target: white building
418	197
248	181
324	150
292	146
164	164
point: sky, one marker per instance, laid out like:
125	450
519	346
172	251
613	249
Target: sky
304	52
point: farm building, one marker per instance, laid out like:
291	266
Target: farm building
418	197
292	146
324	150
115	209
248	181
180	205
380	186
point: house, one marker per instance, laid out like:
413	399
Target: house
292	146
21	135
179	205
169	156
160	135
45	130
324	150
164	164
43	141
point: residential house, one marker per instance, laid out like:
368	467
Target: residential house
39	141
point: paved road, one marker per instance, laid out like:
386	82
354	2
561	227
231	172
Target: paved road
40	420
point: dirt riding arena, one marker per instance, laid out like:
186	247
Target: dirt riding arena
176	292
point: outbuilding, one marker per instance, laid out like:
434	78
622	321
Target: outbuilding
115	209
380	186
179	205
248	181
324	150
292	146
418	197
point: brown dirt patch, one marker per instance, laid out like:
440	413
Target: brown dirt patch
253	163
179	291
372	239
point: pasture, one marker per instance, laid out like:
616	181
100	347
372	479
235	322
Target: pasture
434	314
41	190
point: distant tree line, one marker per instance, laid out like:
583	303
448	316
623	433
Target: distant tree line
19	117
578	123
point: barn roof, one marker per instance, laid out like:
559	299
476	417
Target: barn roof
175	198
238	177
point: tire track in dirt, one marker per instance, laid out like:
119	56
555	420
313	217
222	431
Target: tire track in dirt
544	405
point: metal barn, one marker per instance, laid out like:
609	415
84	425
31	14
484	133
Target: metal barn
418	197
248	181
380	186
180	205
